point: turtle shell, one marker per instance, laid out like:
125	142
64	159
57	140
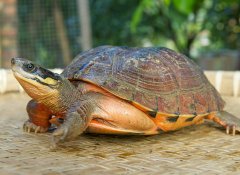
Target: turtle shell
155	79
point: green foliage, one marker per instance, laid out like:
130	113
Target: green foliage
183	6
145	4
184	22
111	21
184	25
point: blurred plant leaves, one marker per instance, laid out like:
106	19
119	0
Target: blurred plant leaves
184	6
183	21
177	24
137	17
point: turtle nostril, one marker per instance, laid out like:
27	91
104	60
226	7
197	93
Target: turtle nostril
13	61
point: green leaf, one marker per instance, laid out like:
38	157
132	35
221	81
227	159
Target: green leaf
136	19
137	16
167	2
184	6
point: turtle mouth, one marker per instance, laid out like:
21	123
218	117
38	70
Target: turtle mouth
21	74
18	65
28	78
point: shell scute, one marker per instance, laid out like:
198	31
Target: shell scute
168	104
155	78
200	102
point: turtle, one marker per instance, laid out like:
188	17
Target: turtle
120	90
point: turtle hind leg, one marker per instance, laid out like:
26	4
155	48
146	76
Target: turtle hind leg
230	122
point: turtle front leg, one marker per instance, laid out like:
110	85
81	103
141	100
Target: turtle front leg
76	121
39	116
227	120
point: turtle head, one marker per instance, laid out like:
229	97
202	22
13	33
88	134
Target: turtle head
35	80
44	86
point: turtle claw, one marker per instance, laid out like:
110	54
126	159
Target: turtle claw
231	129
31	127
58	135
37	129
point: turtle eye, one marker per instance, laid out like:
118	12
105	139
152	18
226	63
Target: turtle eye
30	67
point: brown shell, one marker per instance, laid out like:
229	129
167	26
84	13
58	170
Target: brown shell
158	79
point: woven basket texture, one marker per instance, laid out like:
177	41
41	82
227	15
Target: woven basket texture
203	149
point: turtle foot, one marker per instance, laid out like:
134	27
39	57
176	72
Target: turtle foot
230	122
73	126
58	135
232	129
31	127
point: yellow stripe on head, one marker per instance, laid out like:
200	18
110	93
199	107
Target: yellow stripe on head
50	81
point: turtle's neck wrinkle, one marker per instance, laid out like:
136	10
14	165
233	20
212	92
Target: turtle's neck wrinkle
60	100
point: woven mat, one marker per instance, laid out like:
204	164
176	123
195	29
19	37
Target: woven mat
194	150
